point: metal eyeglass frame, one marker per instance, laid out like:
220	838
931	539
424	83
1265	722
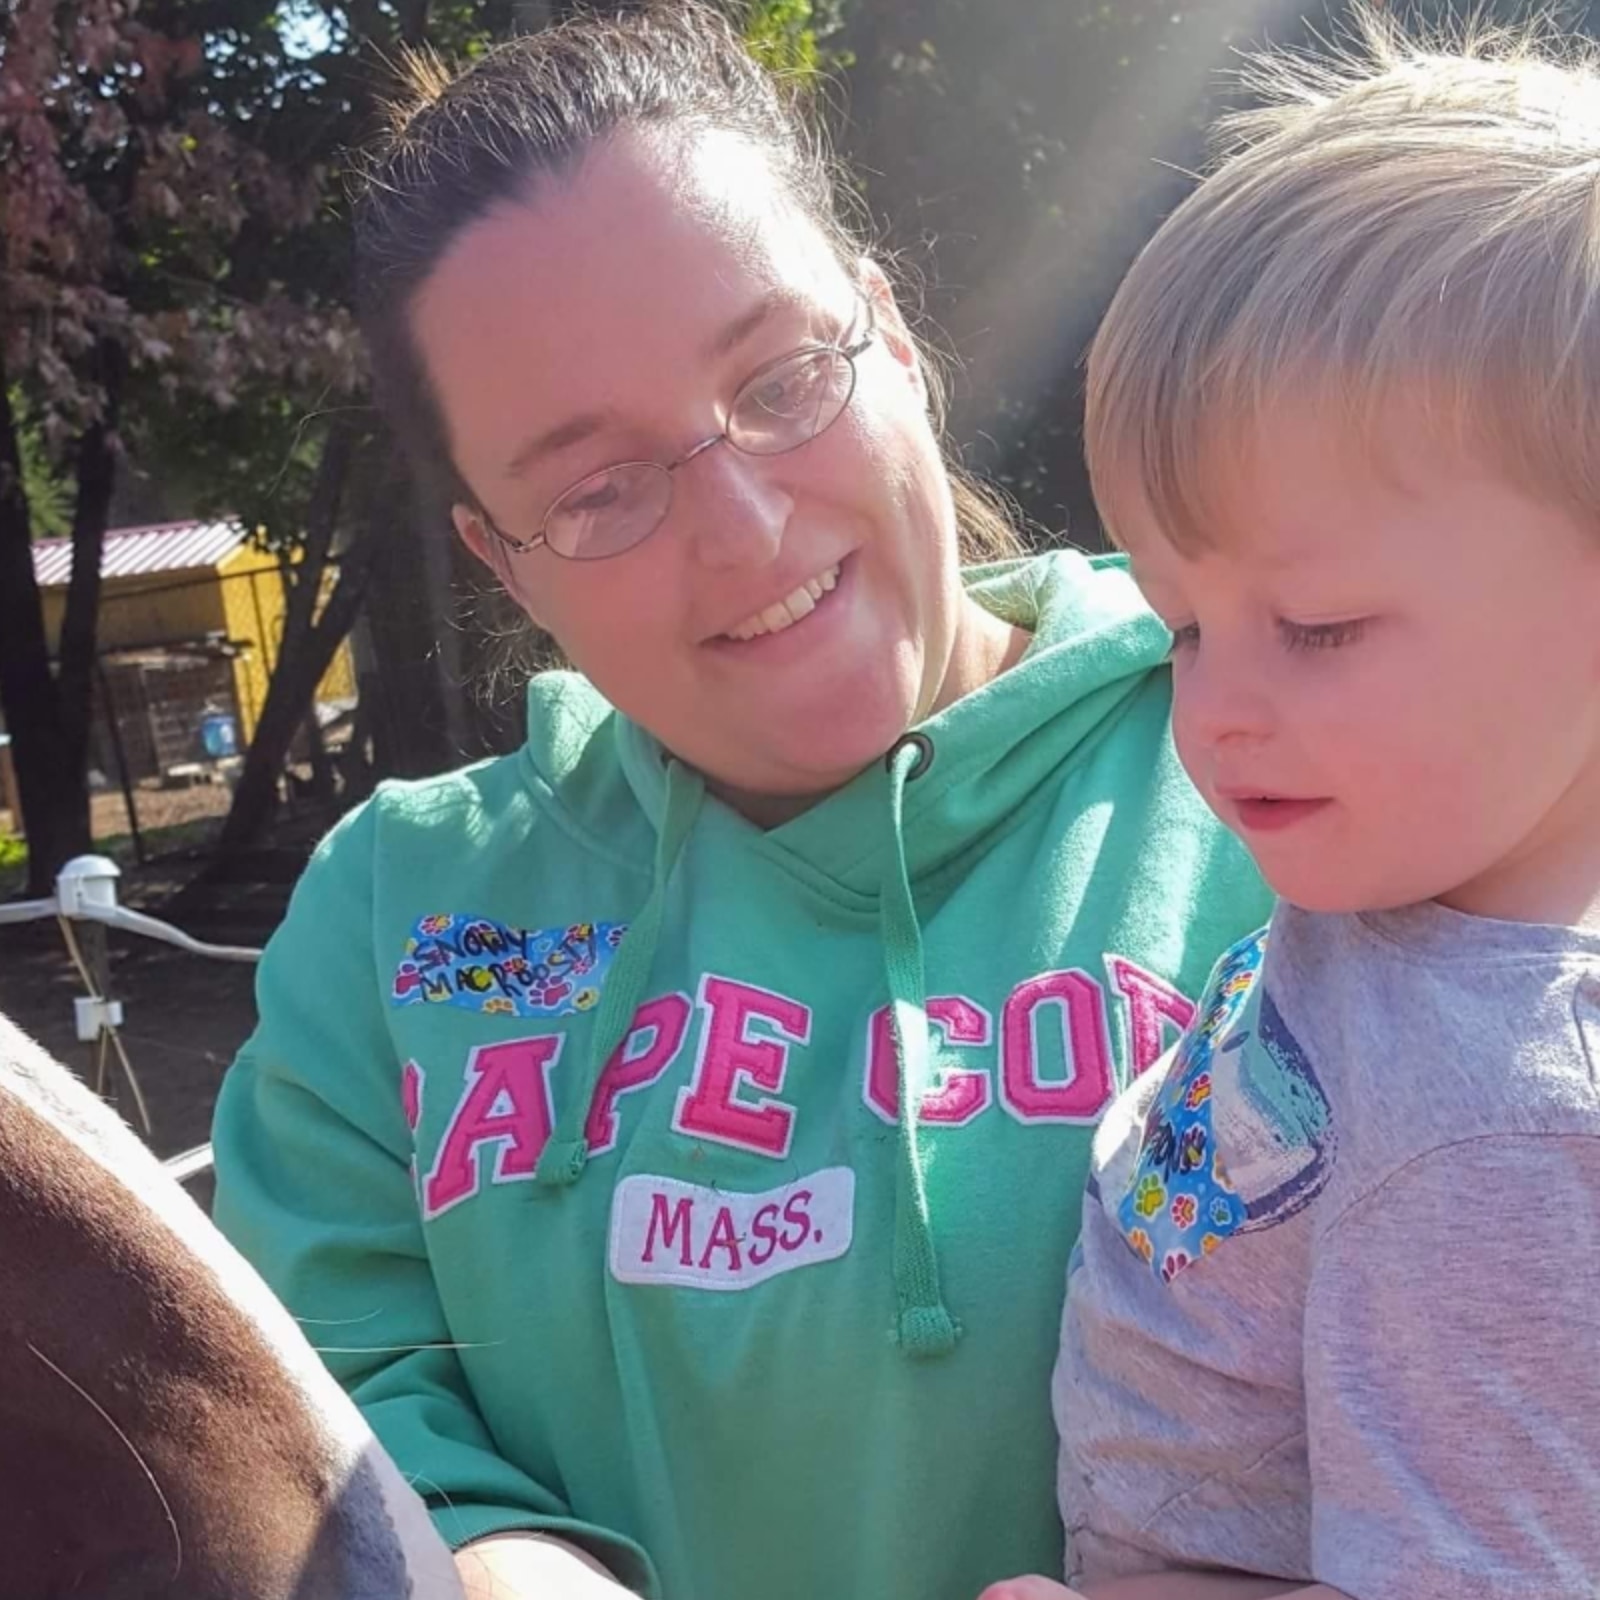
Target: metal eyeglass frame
849	352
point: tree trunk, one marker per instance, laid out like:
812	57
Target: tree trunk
308	646
56	829
404	690
322	780
294	683
80	623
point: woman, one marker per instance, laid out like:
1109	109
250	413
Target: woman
572	1117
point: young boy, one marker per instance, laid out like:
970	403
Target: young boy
1335	1316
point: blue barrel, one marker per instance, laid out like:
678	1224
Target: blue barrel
219	735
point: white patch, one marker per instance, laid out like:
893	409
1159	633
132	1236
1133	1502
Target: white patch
664	1231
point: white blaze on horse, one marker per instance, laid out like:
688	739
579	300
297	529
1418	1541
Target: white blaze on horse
166	1430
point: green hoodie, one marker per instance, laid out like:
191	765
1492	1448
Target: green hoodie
623	1237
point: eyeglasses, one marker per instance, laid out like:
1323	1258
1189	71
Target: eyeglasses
780	407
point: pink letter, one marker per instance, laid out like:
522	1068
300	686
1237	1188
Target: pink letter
764	1234
797	1213
708	1108
961	1093
507	1103
1151	1003
411	1094
1081	1007
633	1066
681	1216
723	1237
411	1106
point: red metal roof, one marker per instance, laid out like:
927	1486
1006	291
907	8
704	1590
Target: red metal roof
134	552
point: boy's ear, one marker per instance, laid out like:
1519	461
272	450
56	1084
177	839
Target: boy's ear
891	324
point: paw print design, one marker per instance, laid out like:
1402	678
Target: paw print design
1173	1263
1150	1196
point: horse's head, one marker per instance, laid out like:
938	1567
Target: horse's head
165	1429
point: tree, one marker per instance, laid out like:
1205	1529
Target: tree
126	203
1015	155
324	485
316	622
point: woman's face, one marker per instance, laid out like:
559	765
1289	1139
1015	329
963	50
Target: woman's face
612	317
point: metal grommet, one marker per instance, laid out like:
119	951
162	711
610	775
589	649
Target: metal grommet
922	744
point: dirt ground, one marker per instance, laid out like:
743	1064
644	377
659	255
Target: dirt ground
158	810
186	1015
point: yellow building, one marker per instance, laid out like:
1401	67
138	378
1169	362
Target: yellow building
190	626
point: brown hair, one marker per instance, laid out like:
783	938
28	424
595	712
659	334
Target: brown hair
457	145
1405	219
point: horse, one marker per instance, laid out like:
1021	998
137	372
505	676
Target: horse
166	1430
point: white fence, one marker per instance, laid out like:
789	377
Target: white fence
86	898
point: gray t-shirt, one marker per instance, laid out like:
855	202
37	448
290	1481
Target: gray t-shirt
1335	1312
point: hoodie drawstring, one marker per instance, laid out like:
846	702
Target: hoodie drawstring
923	1326
564	1156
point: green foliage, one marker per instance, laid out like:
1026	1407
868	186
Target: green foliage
48	491
307	81
13	853
790	36
1014	155
779	33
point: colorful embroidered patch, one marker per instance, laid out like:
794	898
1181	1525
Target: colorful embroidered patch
482	965
1180	1204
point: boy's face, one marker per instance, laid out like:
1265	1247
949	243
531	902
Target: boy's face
1387	678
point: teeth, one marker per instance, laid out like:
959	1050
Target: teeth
789	610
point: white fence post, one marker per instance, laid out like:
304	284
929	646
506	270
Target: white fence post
85	904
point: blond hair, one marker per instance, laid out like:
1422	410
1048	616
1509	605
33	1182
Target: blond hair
1402	219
